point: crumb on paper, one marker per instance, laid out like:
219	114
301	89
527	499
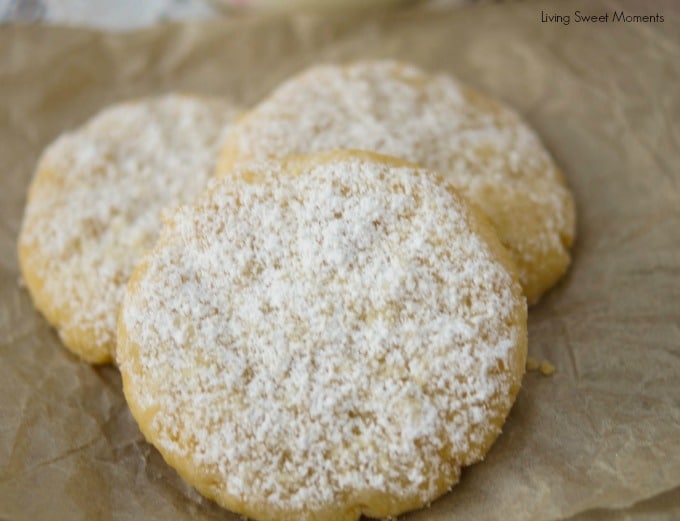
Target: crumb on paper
544	366
547	369
532	364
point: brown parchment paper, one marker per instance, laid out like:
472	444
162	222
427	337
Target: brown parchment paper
598	440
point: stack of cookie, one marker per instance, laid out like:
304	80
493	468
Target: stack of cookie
335	323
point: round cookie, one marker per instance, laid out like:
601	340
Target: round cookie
94	207
493	156
323	337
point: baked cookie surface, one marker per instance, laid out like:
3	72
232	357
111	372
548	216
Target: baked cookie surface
94	207
490	153
323	337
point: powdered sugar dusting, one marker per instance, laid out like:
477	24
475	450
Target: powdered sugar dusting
95	204
432	120
314	336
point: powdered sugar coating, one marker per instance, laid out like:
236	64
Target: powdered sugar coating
94	207
334	336
492	156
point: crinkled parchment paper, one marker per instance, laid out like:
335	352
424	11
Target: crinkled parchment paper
598	440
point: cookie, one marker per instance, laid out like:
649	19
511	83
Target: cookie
493	156
94	207
323	337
